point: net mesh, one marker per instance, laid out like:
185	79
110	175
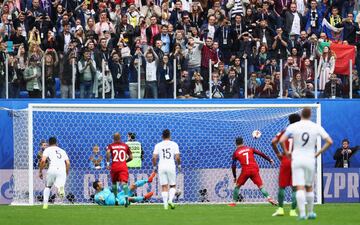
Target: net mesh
205	135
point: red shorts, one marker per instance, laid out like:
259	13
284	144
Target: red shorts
285	173
252	174
119	176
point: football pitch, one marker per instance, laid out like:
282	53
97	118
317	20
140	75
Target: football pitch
328	214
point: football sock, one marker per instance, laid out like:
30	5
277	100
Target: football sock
114	189
310	201
300	198
165	197
236	194
46	195
172	192
140	183
293	199
264	192
137	199
281	196
125	188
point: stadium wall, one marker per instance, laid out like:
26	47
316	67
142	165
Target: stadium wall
339	118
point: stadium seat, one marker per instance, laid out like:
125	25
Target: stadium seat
57	88
24	94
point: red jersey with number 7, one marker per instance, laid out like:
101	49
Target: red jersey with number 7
245	155
119	153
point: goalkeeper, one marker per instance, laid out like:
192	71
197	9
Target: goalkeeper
104	196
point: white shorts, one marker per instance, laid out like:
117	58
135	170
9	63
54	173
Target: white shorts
303	172
167	176
56	178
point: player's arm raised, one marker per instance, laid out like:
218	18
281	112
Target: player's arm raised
282	140
263	156
274	145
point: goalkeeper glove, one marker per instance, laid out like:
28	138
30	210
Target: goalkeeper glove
155	169
179	168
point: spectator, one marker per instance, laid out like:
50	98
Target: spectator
51	62
198	86
268	89
183	87
165	74
193	55
298	86
32	76
253	86
307	71
313	19
333	88
119	78
326	67
280	44
66	78
343	154
96	159
216	86
87	73
350	29
231	85
356	86
151	64
152	31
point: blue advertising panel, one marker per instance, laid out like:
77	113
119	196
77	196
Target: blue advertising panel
341	185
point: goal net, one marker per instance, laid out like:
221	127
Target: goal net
205	134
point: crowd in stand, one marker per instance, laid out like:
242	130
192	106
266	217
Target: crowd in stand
221	48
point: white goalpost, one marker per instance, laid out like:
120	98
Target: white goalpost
205	133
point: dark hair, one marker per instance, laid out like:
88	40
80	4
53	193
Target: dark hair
345	140
293	118
239	141
96	184
166	134
306	113
42	142
132	135
52	141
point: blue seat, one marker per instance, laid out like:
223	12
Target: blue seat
57	88
24	94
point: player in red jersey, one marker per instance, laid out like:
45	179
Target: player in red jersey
285	170
250	169
120	154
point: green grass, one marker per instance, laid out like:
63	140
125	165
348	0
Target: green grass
328	214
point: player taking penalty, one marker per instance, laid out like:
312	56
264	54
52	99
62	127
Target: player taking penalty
305	134
167	151
250	169
285	170
58	169
120	154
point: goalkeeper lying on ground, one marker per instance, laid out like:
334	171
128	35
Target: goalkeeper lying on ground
104	196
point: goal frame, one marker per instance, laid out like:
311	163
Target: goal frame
113	108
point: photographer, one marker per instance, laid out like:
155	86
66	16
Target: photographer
343	154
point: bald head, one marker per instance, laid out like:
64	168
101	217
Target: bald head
117	137
306	113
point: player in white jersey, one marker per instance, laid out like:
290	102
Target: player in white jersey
305	134
58	169
168	152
